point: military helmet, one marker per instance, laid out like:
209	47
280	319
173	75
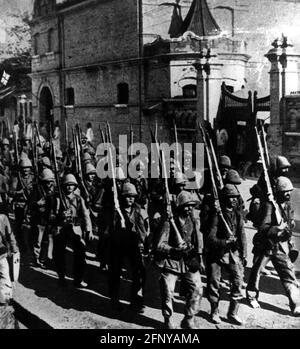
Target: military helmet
185	198
90	168
47	175
46	161
230	190
225	161
5	141
284	184
282	162
25	162
233	177
40	151
70	179
180	178
87	157
129	190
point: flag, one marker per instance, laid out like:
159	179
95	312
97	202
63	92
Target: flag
5	78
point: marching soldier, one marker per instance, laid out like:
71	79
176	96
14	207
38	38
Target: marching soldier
226	247
20	190
41	201
233	177
106	215
271	243
95	193
141	185
6	155
224	165
178	255
73	225
128	244
8	249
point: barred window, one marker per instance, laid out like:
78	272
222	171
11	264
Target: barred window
189	91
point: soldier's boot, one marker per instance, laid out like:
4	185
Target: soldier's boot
188	322
232	315
214	314
168	324
253	302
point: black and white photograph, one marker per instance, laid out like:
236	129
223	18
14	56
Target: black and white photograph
150	167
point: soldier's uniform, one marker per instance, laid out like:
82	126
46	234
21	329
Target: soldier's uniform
20	190
127	245
73	225
8	247
180	261
271	243
226	250
95	193
106	214
41	200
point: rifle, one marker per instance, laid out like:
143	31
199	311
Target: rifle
214	187
176	141
60	193
78	155
35	164
178	238
216	162
67	132
115	189
155	141
17	160
270	194
102	135
264	136
130	140
37	133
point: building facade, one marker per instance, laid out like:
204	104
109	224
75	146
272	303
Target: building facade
137	62
95	61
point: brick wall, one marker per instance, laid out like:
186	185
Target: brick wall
106	30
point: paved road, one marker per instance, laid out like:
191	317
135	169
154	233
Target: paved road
37	292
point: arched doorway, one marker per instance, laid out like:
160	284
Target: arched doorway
46	107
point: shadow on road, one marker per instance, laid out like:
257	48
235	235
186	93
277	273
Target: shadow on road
45	286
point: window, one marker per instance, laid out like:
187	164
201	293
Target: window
70	97
36	43
30	109
50	40
189	91
123	93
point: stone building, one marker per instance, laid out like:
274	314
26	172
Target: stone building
137	62
95	61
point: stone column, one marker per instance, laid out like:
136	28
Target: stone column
213	87
201	92
275	128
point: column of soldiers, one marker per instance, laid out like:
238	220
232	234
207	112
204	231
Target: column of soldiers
58	199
